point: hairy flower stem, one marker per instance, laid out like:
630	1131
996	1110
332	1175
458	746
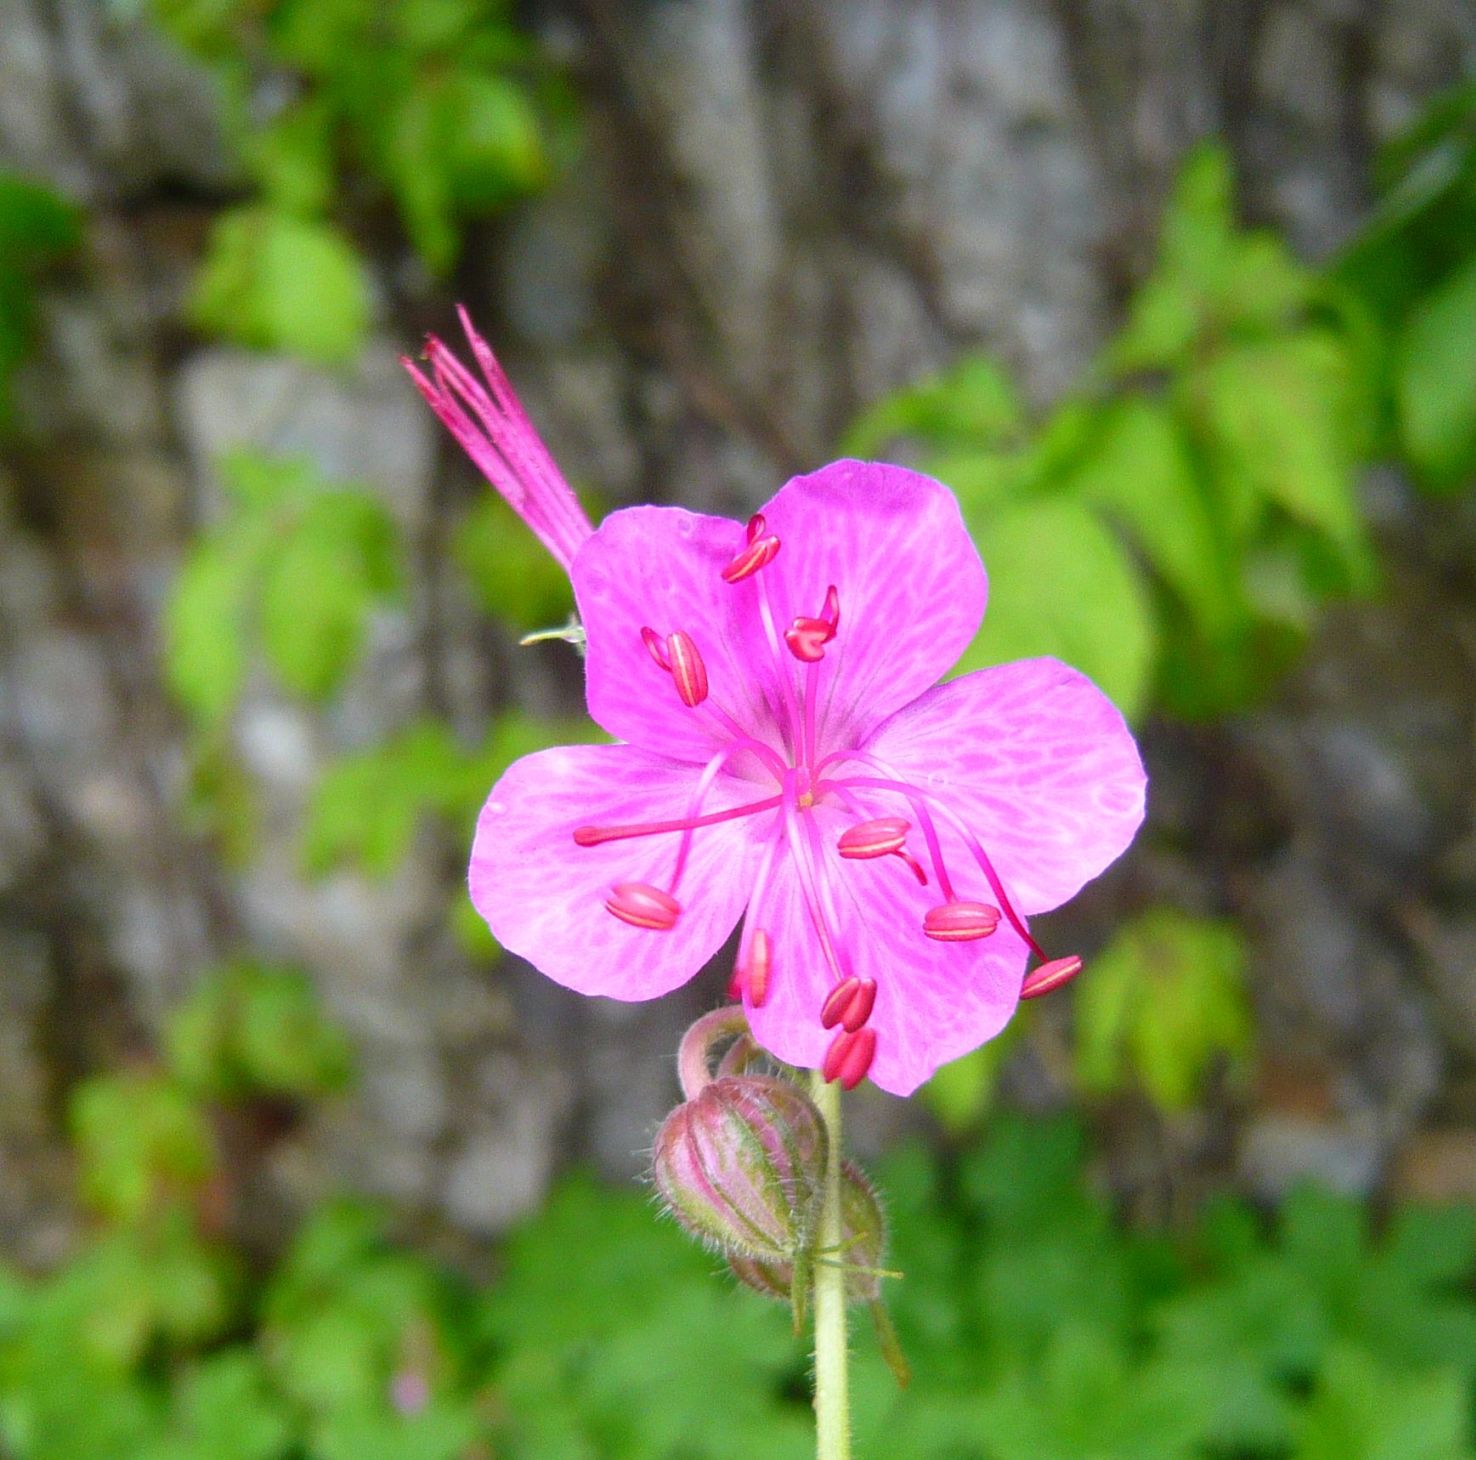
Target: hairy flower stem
832	1347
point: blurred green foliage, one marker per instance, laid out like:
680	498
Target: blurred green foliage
37	228
1164	1005
1039	1327
294	568
1413	264
1171	527
511	575
441	107
365	809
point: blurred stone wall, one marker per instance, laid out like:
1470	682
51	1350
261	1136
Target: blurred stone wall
783	210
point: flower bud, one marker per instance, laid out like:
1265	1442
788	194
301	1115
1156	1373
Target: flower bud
742	1167
863	1245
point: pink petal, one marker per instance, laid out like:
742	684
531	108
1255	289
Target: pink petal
543	897
1038	762
934	1002
912	588
660	568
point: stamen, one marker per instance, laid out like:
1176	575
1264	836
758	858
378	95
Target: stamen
849	1057
807	638
849	1004
749	953
877	838
1050	976
808	876
679	657
917	867
643	906
960	922
597	836
656	648
761	550
919	808
758	969
688	671
916	797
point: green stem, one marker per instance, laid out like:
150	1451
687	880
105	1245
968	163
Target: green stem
832	1349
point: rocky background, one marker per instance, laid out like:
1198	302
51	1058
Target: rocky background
782	210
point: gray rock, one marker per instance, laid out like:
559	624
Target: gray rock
367	424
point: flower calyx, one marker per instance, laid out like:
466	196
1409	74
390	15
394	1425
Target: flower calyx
742	1168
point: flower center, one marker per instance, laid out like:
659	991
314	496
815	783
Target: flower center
804	778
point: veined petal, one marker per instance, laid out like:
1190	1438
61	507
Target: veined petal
934	1002
543	896
1038	762
911	587
661	568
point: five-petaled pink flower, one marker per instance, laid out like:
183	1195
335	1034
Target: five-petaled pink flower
788	759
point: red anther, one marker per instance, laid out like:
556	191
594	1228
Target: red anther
831	612
1050	976
858	1011
756	526
759	553
760	957
656	648
917	867
687	668
961	922
879	838
837	1001
735	984
849	1057
643	906
807	638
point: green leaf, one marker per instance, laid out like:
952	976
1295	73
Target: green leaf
1199	222
316	595
1060	584
1436	382
1164	1001
367	807
224	1410
261	484
205	622
301	562
1164	319
37	225
1084	1399
509	571
1362	1412
973	403
292	158
1279	420
140	1139
1142	474
441	1431
418	156
274	281
251	1029
497	145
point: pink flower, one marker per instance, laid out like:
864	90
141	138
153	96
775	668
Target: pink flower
790	761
